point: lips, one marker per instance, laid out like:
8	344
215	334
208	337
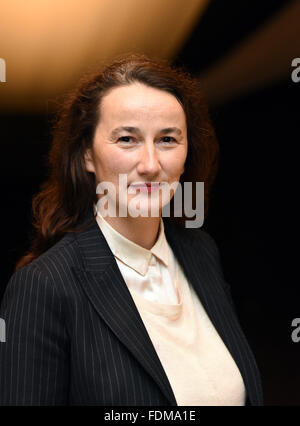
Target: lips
146	186
152	184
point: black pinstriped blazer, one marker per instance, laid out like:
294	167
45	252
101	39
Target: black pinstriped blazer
74	334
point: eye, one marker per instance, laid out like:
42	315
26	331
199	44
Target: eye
125	139
168	139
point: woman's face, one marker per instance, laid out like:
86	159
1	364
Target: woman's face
141	133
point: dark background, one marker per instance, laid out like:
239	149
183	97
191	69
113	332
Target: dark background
252	211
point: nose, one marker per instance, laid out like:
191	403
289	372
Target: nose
149	161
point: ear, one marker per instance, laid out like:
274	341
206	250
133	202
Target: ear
89	163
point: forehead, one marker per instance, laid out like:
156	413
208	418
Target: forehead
138	101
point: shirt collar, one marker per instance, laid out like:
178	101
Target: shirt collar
133	255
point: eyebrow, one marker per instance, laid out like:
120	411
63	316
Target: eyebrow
130	129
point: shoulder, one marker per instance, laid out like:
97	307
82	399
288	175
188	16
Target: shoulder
197	237
43	288
45	274
58	260
207	247
207	241
198	242
29	293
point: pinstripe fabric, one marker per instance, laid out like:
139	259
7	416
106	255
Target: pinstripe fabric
74	335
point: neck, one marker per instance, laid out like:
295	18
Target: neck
141	230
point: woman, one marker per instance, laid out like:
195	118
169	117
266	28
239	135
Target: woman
125	309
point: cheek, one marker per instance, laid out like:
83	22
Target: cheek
114	161
122	161
174	164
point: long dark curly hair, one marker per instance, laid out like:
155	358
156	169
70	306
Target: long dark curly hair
69	192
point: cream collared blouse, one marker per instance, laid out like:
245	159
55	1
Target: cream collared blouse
199	366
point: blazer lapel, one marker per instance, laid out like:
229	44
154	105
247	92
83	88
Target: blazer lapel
106	289
197	264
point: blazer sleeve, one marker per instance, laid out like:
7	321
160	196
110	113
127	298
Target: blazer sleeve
34	357
215	254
